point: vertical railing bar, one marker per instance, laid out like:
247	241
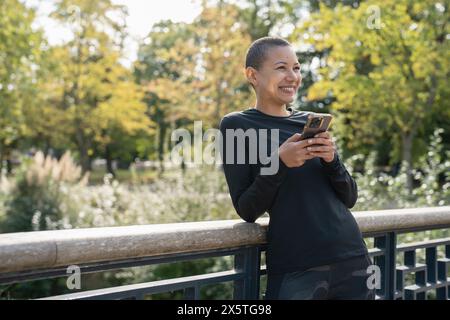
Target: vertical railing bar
247	261
410	258
239	285
391	253
380	261
421	278
254	271
400	282
192	293
387	263
431	261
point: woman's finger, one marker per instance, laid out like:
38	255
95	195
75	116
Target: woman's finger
325	135
312	141
320	149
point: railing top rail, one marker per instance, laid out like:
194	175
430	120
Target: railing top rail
48	249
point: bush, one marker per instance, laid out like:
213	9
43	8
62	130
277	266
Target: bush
39	199
379	190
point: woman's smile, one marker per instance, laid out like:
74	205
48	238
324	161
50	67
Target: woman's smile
289	90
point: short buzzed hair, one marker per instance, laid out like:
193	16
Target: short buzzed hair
257	51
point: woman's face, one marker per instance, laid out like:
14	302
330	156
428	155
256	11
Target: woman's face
279	78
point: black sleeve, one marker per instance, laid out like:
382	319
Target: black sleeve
251	197
343	183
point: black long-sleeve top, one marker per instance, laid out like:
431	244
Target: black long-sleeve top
310	222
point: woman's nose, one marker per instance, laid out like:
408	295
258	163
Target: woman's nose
294	76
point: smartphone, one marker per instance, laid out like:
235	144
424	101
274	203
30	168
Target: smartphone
316	123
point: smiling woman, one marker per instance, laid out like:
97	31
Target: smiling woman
315	248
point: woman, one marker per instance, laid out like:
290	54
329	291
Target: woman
315	248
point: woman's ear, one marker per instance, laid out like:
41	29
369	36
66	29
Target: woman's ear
250	73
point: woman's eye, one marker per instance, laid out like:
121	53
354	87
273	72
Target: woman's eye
282	68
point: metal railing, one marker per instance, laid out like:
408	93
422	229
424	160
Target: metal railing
47	254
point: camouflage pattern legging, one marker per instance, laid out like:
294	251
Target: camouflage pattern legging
343	280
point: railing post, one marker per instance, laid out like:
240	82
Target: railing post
387	263
192	293
247	261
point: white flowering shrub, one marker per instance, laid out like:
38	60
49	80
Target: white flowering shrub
198	195
36	200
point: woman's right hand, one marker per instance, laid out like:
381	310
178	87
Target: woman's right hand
293	151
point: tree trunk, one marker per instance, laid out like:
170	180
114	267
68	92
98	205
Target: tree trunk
217	111
407	140
183	167
109	160
161	144
9	166
83	148
85	160
1	160
46	147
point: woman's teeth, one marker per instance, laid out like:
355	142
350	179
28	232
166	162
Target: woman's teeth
287	89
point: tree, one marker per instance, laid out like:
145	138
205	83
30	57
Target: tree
155	65
263	17
121	117
220	86
310	57
195	71
391	77
95	91
46	121
212	79
19	53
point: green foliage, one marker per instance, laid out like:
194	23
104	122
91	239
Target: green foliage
19	56
379	190
388	80
86	88
211	82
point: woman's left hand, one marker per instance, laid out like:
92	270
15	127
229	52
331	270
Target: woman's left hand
325	147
